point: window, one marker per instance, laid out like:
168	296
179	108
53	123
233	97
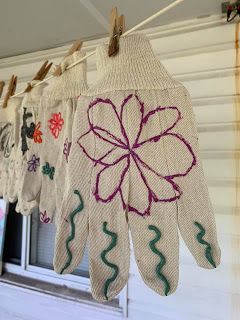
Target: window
29	250
13	238
42	246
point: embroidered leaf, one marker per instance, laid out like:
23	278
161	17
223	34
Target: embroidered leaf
44	218
49	171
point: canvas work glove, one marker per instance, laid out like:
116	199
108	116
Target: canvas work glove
29	134
134	164
9	127
59	103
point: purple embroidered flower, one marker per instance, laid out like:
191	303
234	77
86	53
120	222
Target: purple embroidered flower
135	158
66	148
44	218
33	163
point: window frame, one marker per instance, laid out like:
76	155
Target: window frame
40	273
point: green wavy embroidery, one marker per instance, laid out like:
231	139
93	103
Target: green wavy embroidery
115	268
208	250
161	256
72	234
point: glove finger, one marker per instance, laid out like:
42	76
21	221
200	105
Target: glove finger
195	214
11	190
72	233
196	220
47	201
109	249
153	227
72	222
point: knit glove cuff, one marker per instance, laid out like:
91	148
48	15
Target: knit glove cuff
8	114
125	70
72	82
31	99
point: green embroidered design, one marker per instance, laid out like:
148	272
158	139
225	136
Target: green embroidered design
161	256
49	171
208	250
72	234
109	264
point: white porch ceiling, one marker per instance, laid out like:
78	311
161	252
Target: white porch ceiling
31	25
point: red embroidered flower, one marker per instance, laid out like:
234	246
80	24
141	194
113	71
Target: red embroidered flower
37	135
56	124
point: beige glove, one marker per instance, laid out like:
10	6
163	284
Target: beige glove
134	164
59	103
30	133
9	127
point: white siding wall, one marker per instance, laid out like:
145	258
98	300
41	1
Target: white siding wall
202	54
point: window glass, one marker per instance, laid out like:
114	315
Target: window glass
13	236
42	246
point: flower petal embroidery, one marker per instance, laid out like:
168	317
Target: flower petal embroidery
162	189
98	150
66	149
140	196
33	163
110	179
156	123
132	105
101	113
37	135
44	218
162	161
135	152
55	124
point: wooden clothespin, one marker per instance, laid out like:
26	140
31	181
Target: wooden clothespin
2	84
76	46
40	75
113	47
121	24
11	90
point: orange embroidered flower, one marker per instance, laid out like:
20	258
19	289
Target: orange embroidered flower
56	124
37	135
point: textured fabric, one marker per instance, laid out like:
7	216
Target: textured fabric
134	164
9	126
59	103
30	137
31	179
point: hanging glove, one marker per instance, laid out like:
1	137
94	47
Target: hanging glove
60	103
31	168
9	126
29	128
134	164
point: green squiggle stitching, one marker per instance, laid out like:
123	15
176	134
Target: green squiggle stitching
208	250
72	235
103	257
161	256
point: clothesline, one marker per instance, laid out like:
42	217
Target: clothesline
141	24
